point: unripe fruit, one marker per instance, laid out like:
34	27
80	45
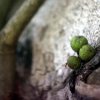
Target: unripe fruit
74	62
86	52
77	42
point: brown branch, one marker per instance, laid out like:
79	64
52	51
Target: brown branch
89	67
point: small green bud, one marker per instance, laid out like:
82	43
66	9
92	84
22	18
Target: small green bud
77	42
74	62
86	52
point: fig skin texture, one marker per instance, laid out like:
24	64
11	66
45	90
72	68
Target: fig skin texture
86	52
77	42
74	62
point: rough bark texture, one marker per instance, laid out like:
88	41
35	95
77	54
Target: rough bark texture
53	27
46	33
52	37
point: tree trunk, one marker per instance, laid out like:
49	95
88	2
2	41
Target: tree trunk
7	71
53	27
8	40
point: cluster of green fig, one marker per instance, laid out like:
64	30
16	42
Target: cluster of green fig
84	50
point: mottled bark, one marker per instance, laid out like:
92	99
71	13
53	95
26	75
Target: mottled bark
53	27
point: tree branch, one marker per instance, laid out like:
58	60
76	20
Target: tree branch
12	30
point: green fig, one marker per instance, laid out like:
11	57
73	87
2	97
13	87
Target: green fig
74	62
86	52
77	42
